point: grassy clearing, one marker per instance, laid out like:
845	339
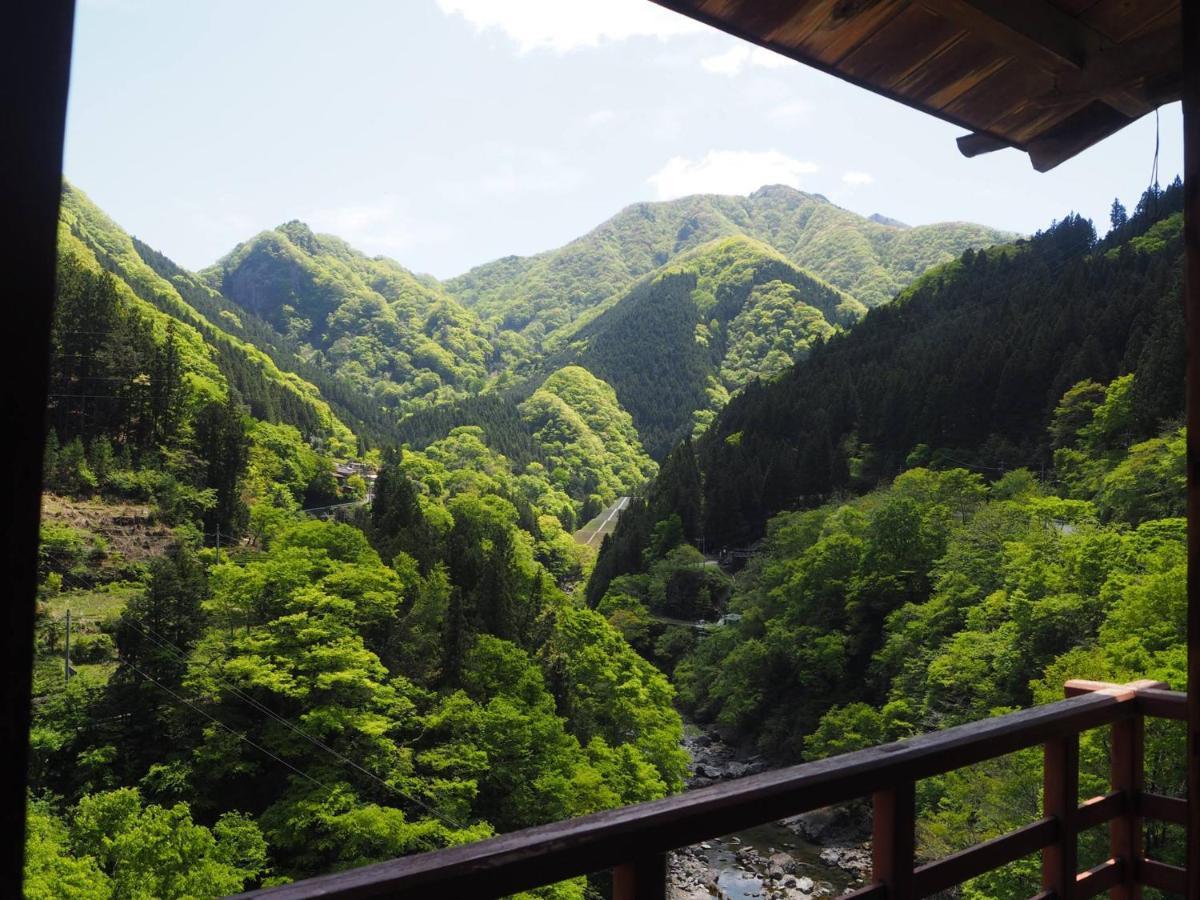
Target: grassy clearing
90	607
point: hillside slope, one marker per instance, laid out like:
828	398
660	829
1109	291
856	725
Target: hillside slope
967	367
867	259
395	336
214	358
695	331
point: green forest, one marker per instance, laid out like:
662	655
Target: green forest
968	499
311	594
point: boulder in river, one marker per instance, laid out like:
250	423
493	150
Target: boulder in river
781	863
849	859
832	825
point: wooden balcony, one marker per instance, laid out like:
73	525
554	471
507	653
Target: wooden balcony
633	841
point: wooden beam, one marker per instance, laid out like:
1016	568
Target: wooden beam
1098	879
1033	30
893	840
1125	831
935	877
1060	801
34	70
1164	877
1191	239
1162	809
1123	74
644	878
980	142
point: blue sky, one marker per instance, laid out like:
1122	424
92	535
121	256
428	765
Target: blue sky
446	133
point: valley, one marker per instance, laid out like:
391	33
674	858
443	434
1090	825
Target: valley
362	563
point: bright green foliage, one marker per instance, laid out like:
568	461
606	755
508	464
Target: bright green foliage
52	872
773	328
466	691
540	294
211	357
389	333
116	847
590	444
941	600
612	695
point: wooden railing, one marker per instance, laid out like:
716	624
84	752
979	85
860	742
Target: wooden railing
633	841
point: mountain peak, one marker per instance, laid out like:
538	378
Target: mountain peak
880	219
300	234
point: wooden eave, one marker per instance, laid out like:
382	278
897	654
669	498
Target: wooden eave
1049	77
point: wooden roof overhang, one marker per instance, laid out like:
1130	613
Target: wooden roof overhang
1049	77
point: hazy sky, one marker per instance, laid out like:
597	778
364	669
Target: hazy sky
446	133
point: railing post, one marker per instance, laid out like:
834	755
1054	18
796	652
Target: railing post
643	878
1060	799
1125	831
893	844
1128	776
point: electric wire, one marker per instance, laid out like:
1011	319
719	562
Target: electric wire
255	704
214	719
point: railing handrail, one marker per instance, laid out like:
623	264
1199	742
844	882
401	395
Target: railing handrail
533	857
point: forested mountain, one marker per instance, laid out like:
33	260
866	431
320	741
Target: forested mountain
395	336
971	497
215	352
256	695
676	346
588	441
965	367
695	331
358	410
868	259
953	501
772	273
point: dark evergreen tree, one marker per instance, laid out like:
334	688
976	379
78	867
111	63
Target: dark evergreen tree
224	449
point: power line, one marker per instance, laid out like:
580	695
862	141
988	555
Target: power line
214	719
316	742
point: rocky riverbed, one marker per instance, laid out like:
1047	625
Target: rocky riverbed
820	854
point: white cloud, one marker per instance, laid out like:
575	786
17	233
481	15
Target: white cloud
741	55
728	172
599	118
563	25
793	109
858	179
377	227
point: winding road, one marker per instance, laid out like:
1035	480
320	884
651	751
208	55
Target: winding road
594	531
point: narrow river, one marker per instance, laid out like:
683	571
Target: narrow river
767	861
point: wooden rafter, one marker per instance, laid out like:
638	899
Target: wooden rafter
1029	29
1045	76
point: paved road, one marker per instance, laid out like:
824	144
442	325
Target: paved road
594	531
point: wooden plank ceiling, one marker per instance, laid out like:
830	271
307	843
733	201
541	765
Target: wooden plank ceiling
1050	77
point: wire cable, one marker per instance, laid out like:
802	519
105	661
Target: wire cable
316	742
214	719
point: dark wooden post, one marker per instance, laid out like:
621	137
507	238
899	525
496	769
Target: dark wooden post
1128	771
1125	831
1191	209
893	844
1060	799
644	878
33	73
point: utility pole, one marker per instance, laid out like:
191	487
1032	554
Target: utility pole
67	649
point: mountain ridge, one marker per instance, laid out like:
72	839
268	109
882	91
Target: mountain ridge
777	215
